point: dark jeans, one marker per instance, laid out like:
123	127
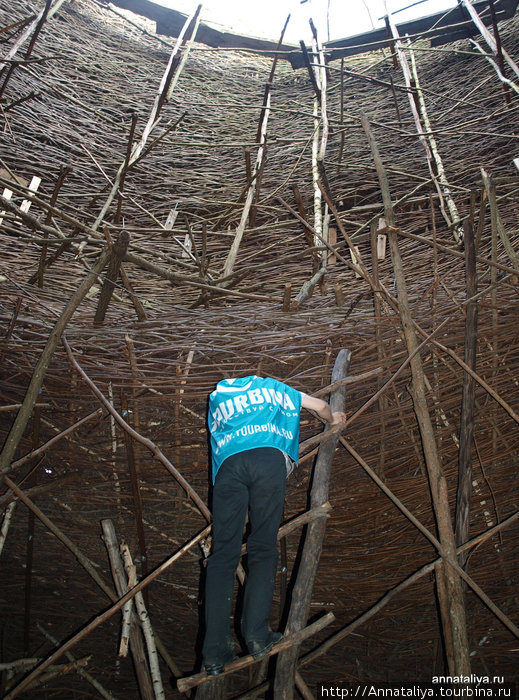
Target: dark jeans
253	480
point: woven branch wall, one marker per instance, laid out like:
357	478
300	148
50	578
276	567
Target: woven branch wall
91	70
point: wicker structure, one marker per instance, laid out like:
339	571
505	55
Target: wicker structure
182	314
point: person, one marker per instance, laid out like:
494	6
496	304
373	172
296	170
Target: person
254	435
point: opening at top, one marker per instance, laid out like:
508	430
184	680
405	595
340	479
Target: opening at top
333	19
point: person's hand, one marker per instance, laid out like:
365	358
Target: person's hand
338	417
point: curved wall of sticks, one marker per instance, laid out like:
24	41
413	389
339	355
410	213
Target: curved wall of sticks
173	213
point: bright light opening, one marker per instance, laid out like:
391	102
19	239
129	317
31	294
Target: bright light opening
334	19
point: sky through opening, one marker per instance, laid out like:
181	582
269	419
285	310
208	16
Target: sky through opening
334	19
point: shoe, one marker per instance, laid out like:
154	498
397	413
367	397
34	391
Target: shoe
259	649
216	668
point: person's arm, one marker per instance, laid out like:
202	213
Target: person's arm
322	408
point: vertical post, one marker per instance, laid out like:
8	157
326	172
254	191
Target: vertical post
341	123
31	531
467	404
425	134
307	232
377	308
437	482
391	41
64	172
286	297
302	592
117	254
136	494
119	577
499	50
261	140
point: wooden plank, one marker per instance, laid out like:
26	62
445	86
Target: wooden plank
441	28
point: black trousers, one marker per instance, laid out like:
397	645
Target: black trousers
252	481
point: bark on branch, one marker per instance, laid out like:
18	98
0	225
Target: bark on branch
302	592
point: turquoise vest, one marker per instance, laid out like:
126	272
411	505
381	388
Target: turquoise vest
251	412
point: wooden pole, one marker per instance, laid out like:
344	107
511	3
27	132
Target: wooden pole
488	36
8	514
302	592
308	287
287	642
145	622
377	308
261	139
467	405
391	41
121	586
64	172
499	50
341	121
437	168
137	500
425	134
437	482
306	230
318	214
497	227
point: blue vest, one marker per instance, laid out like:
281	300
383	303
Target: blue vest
251	412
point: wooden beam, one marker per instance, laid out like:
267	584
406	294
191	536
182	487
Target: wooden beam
135	478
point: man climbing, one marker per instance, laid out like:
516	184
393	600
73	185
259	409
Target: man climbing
254	430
